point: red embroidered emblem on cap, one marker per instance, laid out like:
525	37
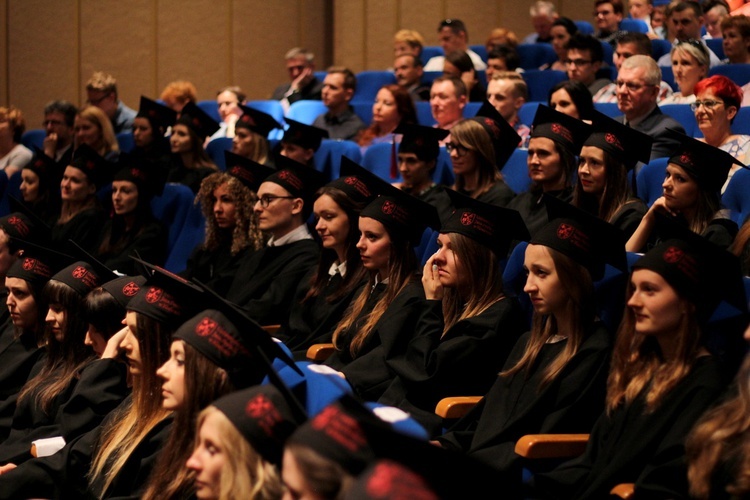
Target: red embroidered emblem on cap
205	327
467	218
39	163
686	158
19	224
565	231
154	294
264	412
90	165
419	141
130	289
242	173
381	482
28	264
672	255
248	119
350	180
342	428
152	113
196	122
388	207
79	272
612	139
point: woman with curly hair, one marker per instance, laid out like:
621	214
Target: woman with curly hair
227	200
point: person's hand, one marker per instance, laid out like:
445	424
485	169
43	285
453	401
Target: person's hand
433	289
49	145
660	205
112	351
302	79
7	468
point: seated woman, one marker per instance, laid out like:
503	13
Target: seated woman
479	148
227	200
469	326
93	128
385	313
717	102
458	64
572	98
690	64
177	94
554	378
662	379
250	135
560	32
607	156
133	229
40	187
81	215
393	106
149	126
695	174
324	295
13	155
555	139
190	163
735	32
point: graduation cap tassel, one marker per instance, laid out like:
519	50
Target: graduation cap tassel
394	160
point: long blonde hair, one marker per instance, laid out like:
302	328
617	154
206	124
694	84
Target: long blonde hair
99	119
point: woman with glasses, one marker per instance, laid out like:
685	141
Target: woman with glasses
690	63
717	102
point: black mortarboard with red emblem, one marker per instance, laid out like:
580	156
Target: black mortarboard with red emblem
357	182
148	176
387	479
98	170
37	264
625	144
708	165
263	416
157	114
248	172
489	225
23	224
300	180
42	165
82	277
302	135
588	240
422	141
166	297
504	138
124	288
402	214
259	122
565	130
198	120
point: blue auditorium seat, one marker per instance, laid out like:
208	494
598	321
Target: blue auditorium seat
516	172
328	158
533	55
211	108
737	196
306	111
738	73
377	160
215	150
683	114
172	209
634	25
125	141
540	82
650	179
368	84
34	137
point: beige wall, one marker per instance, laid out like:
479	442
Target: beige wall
53	46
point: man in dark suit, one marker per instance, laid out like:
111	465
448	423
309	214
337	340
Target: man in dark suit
637	91
303	85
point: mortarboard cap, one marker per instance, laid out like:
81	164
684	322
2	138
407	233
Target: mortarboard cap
565	130
259	122
586	239
124	288
82	277
198	120
157	114
305	136
98	170
42	165
300	180
37	264
23	224
504	138
148	176
709	166
402	215
624	143
489	225
248	172
420	140
357	182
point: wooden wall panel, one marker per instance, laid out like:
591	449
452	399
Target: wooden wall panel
4	53
381	15
349	34
422	16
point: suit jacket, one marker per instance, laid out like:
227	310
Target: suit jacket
655	125
310	91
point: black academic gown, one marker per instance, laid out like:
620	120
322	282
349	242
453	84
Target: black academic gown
463	362
436	196
630	446
149	244
533	210
80	407
191	177
18	356
498	195
84	228
368	373
516	405
64	474
267	280
215	268
629	216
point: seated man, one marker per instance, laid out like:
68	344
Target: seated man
453	37
687	21
507	92
637	90
59	117
300	63
339	121
607	17
585	58
266	280
409	71
447	102
101	91
543	14
502	58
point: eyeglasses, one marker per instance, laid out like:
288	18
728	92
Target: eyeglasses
603	13
577	62
96	102
460	150
707	104
695	43
632	87
266	199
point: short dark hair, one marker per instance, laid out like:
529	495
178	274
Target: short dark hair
587	42
67	109
415	61
350	80
689	4
640	40
579	94
567	23
460	60
458	85
617	5
508	54
456	26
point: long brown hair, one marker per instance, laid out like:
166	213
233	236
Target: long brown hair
638	363
404	107
579	308
615	194
325	476
204	382
472	136
721	437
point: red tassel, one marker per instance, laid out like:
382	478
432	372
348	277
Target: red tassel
394	160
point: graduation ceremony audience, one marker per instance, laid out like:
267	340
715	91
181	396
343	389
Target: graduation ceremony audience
316	317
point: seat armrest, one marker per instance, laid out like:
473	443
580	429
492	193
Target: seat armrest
624	490
456	406
320	352
535	446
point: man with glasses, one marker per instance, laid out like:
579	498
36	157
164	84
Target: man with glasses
585	57
687	21
266	280
453	37
101	91
637	90
607	17
59	117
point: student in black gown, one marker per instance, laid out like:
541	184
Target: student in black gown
662	378
554	378
469	325
232	233
190	164
324	295
149	126
266	281
695	174
301	142
81	217
251	135
554	141
133	229
382	319
605	161
40	187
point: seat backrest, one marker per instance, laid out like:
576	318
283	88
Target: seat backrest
306	111
172	208
585	27
368	84
717	47
328	158
424	114
215	150
608	108
429	76
480	50
634	25
514	278
738	73
211	107
191	235
667	75
527	112
737	196
269	106
741	123
377	160
533	55
660	47
444	169
363	110
125	141
540	82
516	172
34	137
471	108
430	52
683	114
650	179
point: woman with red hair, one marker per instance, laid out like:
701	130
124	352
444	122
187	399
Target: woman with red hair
717	102
392	106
